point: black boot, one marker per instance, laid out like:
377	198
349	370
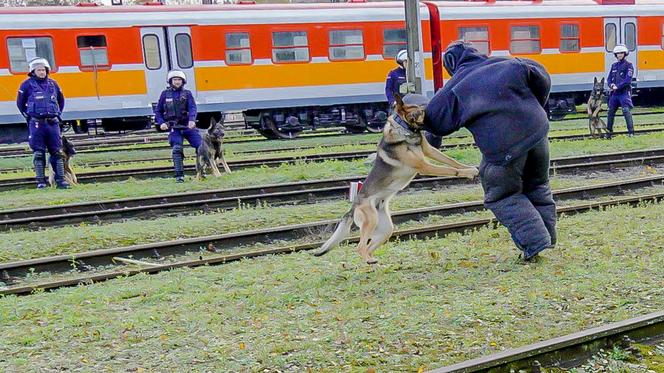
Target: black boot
39	161
178	163
59	171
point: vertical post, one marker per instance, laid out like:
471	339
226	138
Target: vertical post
415	63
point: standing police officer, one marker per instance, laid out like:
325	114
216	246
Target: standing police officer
501	102
396	77
620	83
41	101
176	110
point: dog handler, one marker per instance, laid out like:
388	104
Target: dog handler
176	111
501	102
41	101
620	83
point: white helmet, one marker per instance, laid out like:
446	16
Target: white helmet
39	62
401	57
176	74
620	48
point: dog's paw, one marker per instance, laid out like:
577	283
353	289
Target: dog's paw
469	173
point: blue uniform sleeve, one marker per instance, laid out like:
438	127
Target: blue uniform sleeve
442	115
627	80
22	98
539	80
191	107
389	88
159	110
61	97
609	79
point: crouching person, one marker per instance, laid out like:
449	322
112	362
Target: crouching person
41	101
501	102
176	112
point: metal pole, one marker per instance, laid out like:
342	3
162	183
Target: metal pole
415	63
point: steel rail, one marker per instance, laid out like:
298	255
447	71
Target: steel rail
656	156
86	261
567	351
224	199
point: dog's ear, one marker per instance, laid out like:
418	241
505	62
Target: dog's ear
603	81
400	106
594	80
213	122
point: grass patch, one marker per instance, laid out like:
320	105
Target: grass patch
84	237
429	303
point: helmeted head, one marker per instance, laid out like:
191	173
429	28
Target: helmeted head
176	78
401	57
620	49
39	67
455	52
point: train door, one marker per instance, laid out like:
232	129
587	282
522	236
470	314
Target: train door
164	49
620	30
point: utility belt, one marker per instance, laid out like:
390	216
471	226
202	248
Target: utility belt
45	120
177	125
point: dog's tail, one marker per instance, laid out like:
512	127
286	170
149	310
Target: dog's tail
342	231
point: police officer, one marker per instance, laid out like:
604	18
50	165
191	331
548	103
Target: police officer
396	77
176	111
501	102
41	101
620	84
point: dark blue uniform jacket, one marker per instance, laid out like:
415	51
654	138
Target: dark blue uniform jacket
621	75
395	78
48	86
175	105
499	100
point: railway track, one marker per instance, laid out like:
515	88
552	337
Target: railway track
118	141
147	257
285	193
567	351
166	171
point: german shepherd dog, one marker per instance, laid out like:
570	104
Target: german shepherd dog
401	156
67	151
595	123
210	153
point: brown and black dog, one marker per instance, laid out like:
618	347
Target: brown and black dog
595	123
67	151
401	156
210	152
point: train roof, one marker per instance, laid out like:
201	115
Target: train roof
137	15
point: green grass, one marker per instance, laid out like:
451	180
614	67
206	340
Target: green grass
284	173
22	244
429	303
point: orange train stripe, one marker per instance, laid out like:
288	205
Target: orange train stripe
82	84
651	60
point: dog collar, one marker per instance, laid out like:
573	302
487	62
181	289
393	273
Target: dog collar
403	124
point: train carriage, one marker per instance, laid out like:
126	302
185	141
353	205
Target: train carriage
295	66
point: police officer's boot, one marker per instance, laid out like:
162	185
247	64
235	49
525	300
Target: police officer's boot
178	163
39	161
629	120
59	171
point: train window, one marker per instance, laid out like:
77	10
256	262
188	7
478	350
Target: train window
569	38
630	36
183	51
478	36
152	52
22	50
92	51
394	40
610	36
525	39
346	45
290	46
238	48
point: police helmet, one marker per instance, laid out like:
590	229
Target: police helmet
39	62
401	57
620	48
176	74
